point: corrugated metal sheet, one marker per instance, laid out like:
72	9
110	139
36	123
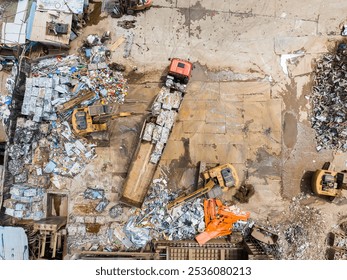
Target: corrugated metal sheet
13	244
71	6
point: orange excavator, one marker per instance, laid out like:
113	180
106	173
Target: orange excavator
219	220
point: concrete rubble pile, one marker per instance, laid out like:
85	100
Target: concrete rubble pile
94	194
156	222
329	116
43	152
164	112
26	202
301	235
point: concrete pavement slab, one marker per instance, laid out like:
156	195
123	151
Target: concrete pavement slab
173	150
202	90
215	112
192	110
159	21
209	139
206	153
248	7
203	127
234	153
309	44
164	3
308	10
270	142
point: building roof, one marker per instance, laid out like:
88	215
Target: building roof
70	6
39	28
14	32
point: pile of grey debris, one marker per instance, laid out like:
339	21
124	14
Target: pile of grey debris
329	116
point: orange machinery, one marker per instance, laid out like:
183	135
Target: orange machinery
219	220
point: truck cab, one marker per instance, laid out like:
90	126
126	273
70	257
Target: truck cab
179	74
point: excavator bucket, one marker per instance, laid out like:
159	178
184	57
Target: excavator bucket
205	236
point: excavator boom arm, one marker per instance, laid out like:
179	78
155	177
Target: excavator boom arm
199	192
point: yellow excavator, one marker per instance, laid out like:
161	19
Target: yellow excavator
92	123
216	181
93	119
327	182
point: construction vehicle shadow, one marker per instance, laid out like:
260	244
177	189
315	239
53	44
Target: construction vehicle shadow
306	182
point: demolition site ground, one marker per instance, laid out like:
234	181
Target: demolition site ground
249	103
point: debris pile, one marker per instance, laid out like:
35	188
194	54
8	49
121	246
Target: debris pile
59	84
337	246
329	116
43	152
94	194
155	222
26	202
164	112
126	24
6	99
337	242
44	146
301	236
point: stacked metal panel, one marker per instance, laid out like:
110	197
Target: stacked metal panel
38	97
164	109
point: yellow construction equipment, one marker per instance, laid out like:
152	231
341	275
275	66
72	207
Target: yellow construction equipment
217	180
224	175
327	182
93	119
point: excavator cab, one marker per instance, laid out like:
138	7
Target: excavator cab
328	182
179	74
228	177
81	120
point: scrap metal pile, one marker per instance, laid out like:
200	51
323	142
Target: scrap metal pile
26	202
156	222
329	117
164	112
45	151
301	234
134	230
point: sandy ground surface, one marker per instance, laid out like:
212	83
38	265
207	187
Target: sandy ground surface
242	106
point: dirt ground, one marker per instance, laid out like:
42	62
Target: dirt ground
245	104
